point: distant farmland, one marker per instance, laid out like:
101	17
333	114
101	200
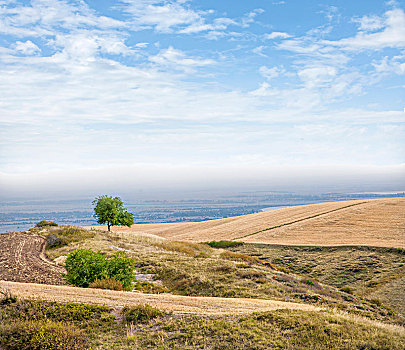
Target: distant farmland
371	222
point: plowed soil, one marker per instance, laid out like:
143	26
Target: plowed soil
375	222
22	259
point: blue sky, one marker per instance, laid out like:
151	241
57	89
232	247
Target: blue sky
149	91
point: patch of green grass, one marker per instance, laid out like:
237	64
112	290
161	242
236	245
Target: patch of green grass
224	244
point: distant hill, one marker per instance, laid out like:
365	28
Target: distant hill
370	222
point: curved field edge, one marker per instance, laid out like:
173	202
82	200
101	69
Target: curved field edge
171	303
375	222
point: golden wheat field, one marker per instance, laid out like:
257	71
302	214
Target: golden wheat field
371	222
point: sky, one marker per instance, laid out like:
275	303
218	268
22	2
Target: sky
109	95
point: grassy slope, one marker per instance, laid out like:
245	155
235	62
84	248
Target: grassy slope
369	272
192	269
101	329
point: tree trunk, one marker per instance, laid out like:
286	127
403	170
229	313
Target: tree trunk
108	225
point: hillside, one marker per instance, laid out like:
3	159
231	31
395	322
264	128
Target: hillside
245	295
375	222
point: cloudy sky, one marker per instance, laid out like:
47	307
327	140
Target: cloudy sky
131	92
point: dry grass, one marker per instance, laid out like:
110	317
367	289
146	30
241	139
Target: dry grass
170	303
376	222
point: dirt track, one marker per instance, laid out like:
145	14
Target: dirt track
22	259
172	303
372	222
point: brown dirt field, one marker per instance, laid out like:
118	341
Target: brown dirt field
22	259
171	303
375	222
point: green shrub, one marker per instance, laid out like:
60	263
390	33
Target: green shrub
224	244
140	313
107	283
44	223
42	335
309	282
122	269
84	266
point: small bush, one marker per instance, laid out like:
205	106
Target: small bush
347	290
44	223
107	283
283	269
7	297
240	257
224	244
53	241
146	287
84	266
39	335
64	235
140	313
309	282
375	302
122	269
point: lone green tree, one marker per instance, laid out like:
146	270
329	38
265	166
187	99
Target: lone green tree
110	210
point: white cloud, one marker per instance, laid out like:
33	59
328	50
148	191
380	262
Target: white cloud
394	65
369	23
271	73
259	50
277	35
392	34
317	76
27	47
163	16
44	16
177	16
178	59
250	17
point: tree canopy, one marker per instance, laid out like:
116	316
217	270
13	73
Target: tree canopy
110	210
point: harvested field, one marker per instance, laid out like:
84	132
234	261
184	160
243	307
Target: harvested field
172	303
375	222
22	259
